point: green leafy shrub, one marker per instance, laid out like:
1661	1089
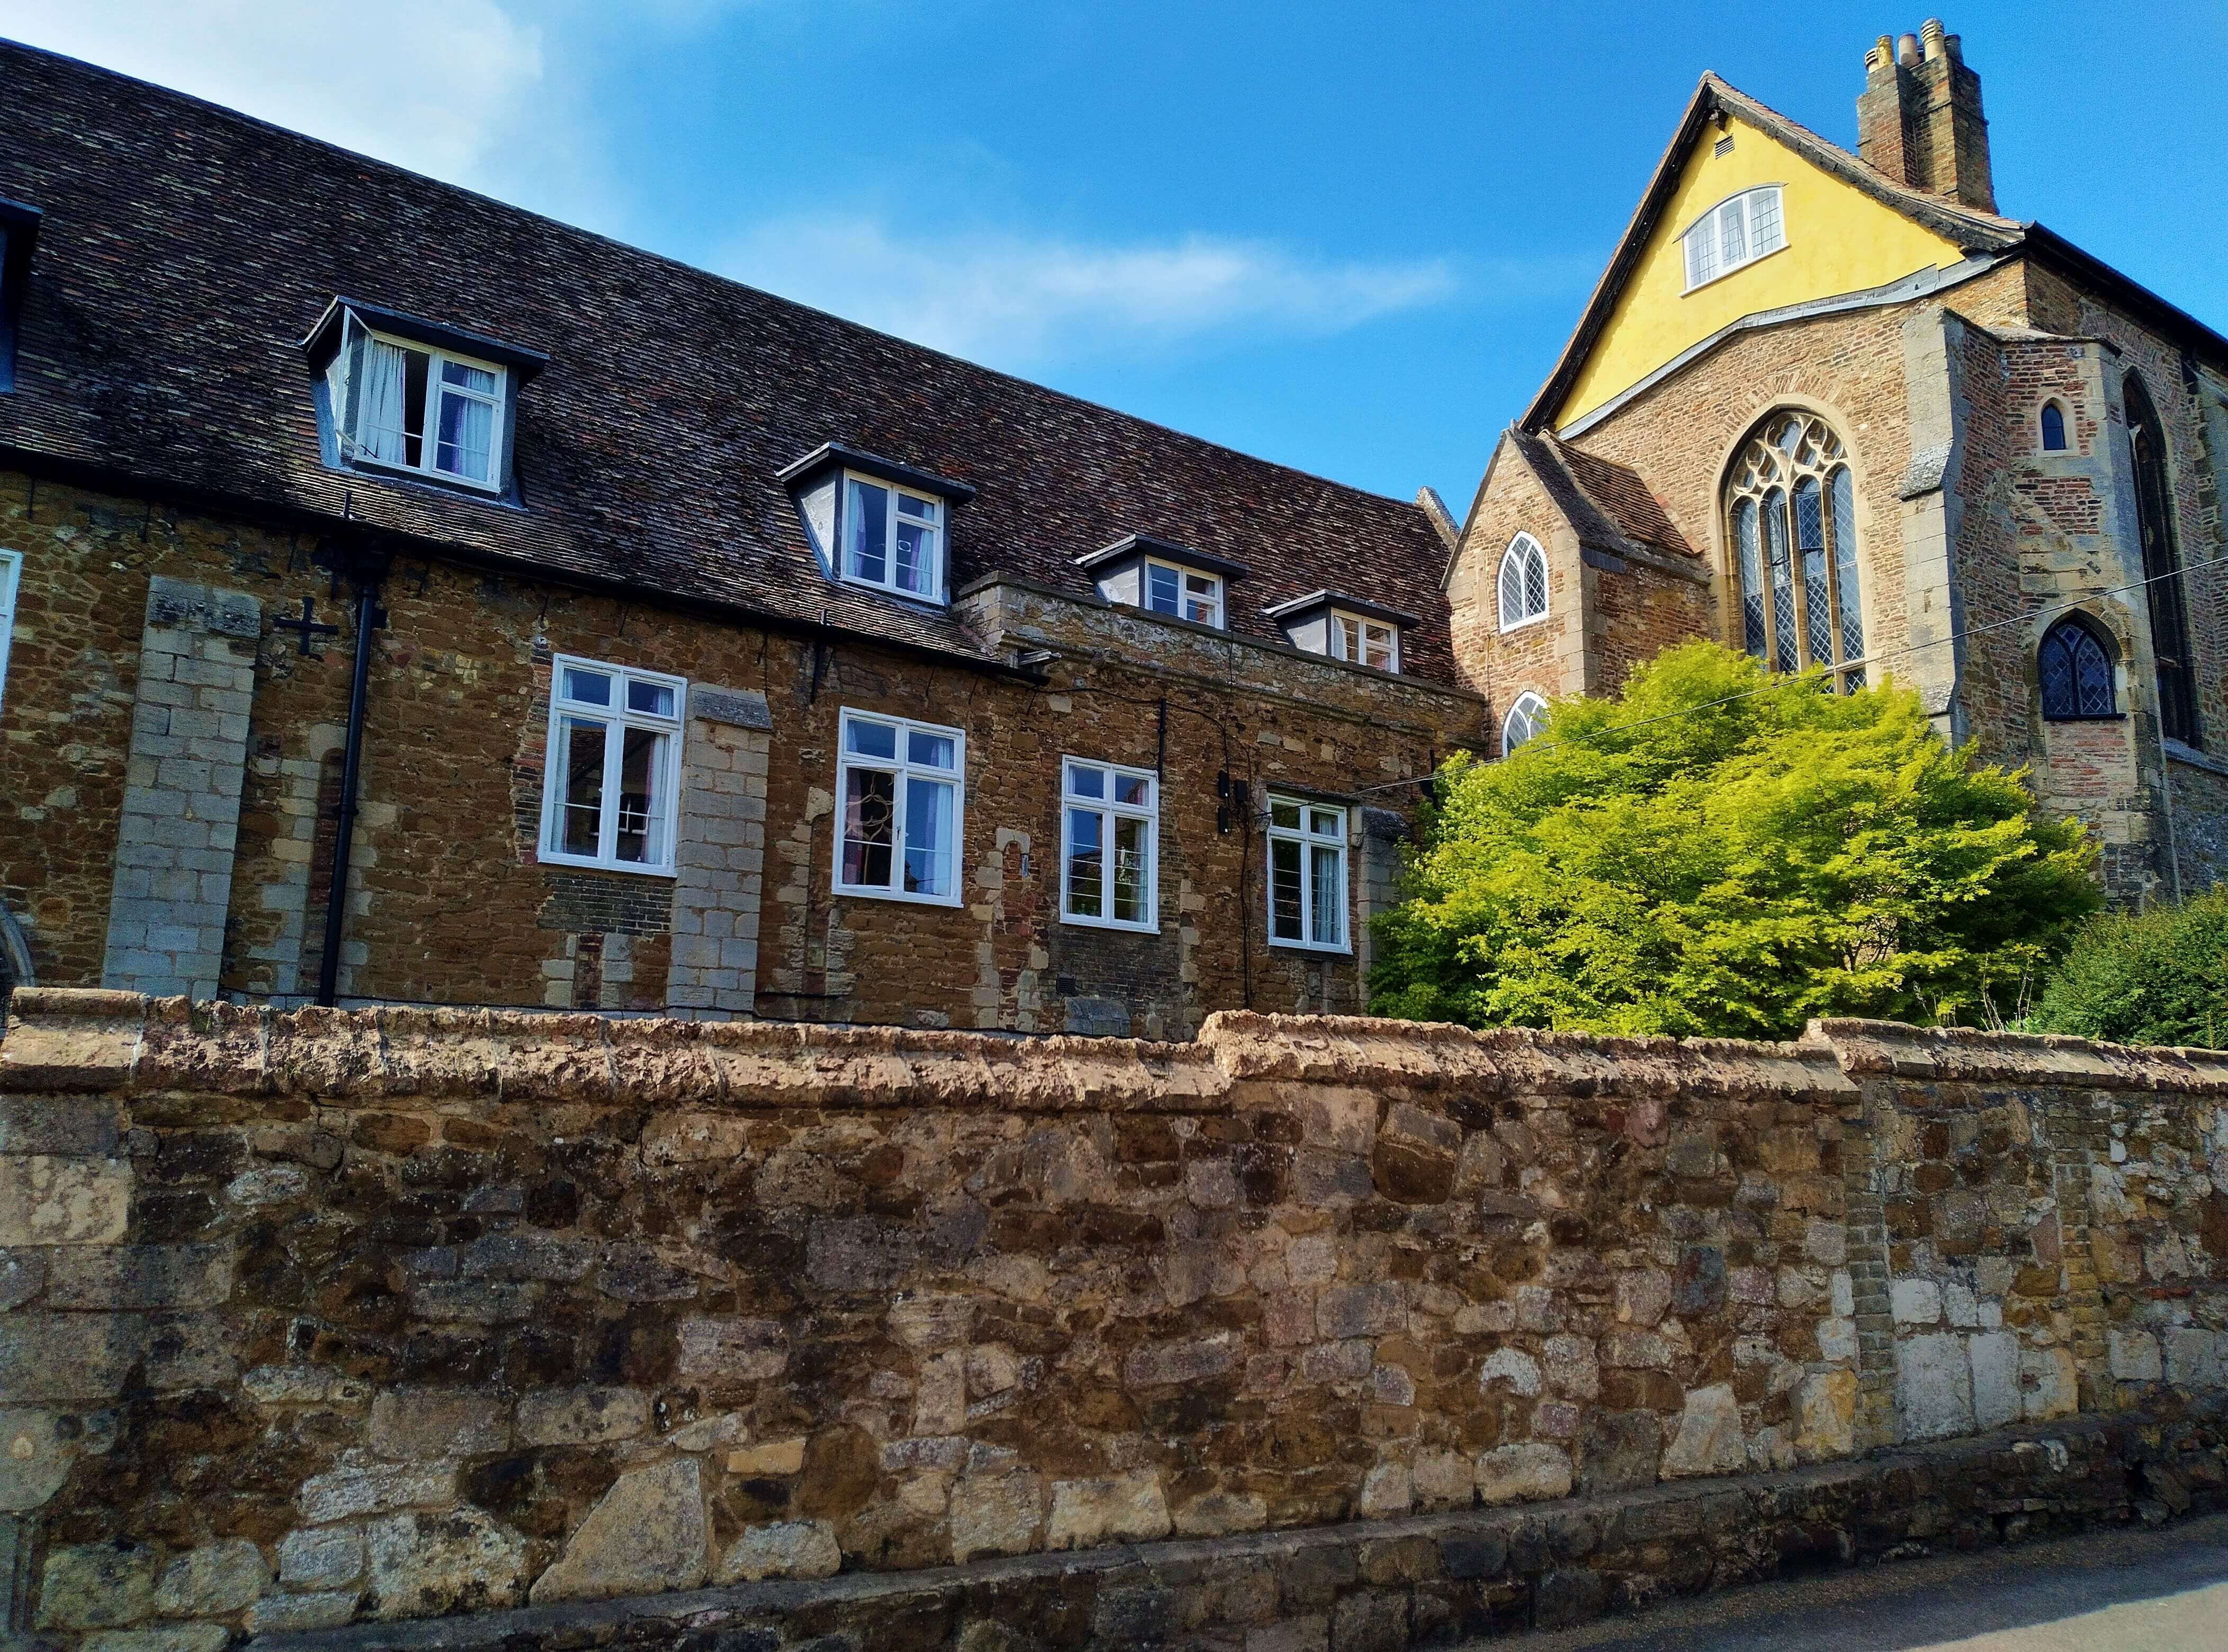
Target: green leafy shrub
1722	852
2154	978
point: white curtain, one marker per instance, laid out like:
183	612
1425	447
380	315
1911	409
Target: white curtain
379	413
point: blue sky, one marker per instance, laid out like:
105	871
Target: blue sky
1348	238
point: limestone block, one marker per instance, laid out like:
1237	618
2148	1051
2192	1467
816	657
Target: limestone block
1386	1490
578	1416
97	1586
47	1199
1220	1513
793	1548
769	1459
421	1424
940	1398
1442	1479
932	1322
1933	1386
647	1534
210	1581
58	1124
1996	1399
2048	1382
1171	1362
2135	1356
190	1352
321	1557
1825	1408
341	1493
169	1637
69	1356
995	1515
1915	1302
1523	1473
1619	1451
1360	1310
736	1350
1709	1438
1837	1340
35	1458
1120	1509
2196	1360
23	1276
1513	1365
1570	1366
423	1565
293	1614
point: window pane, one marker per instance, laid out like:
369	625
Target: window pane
870	738
470	378
642	801
1133	789
916	569
1346	638
1702	251
1284	892
910	506
1085	781
1763	228
2059	696
1085	865
1202	598
417	369
2092	674
378	391
656	698
1788	658
589	688
928	836
1130	851
870	806
1326	823
1328	917
580	817
1845	566
1161	589
1732	232
1377	643
1283	814
2053	428
867	532
1751	578
931	751
1535	581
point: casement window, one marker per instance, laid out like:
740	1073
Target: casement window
1790	505
1307	874
1110	830
11	570
614	766
2074	668
892	538
1523	583
1185	592
901	787
1366	641
1526	719
403	406
1733	232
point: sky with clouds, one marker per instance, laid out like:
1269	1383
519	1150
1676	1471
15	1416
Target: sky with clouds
1351	239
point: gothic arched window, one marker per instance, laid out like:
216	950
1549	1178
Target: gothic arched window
1790	514
2053	428
2177	683
2075	669
1526	718
1523	583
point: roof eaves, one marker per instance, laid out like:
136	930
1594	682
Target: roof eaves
2053	248
1315	599
830	456
1166	550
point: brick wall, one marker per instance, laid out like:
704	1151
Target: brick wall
1547	657
325	1316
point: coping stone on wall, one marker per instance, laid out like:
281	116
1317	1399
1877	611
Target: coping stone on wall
738	707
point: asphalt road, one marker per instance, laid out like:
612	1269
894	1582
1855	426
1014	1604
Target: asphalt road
2162	1591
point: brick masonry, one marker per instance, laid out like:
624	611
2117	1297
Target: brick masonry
332	1316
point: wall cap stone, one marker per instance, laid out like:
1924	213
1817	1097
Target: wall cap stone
181	602
738	707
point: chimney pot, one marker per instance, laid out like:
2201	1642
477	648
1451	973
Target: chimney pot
1929	33
1907	51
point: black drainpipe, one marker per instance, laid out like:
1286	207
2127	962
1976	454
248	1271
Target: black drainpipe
369	617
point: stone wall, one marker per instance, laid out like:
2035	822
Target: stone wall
332	1317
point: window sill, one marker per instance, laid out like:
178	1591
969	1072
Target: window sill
431	478
901	896
632	868
1727	275
2089	717
1114	924
2178	753
1540	618
939	603
1342	949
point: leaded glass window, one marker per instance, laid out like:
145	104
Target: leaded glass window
1790	505
2075	669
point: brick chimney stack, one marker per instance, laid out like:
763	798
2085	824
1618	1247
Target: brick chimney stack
1920	120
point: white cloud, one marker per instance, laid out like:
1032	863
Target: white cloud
431	85
1019	303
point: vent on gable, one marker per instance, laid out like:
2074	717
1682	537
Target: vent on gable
1724	146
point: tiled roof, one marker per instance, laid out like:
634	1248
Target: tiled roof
1606	503
187	250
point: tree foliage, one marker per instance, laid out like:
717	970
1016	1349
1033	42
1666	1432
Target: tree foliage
2154	978
1724	853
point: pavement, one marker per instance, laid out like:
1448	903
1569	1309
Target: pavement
2162	1589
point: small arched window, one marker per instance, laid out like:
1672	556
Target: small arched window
2053	428
1523	583
1526	718
1792	515
2074	668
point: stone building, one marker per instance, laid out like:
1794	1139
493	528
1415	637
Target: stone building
1836	409
609	635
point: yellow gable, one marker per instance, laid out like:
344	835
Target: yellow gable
1838	239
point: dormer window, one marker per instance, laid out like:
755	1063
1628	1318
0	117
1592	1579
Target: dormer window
1181	591
1343	627
1162	577
417	398
1735	232
1366	641
874	522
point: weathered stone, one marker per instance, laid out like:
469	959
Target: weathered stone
1709	1439
458	1561
96	1586
169	1637
1827	1411
59	1126
1220	1513
2196	1359
524	1256
1165	1362
1442	1479
638	1273
35	1456
1512	1366
581	1416
1699	1287
1996	1360
648	1533
1120	1509
1933	1386
1619	1451
1837	1340
733	1350
768	1459
267	1184
997	1515
794	1548
1643	1296
1523	1473
2049	1383
23	1276
211	1581
321	1557
1387	1490
413	1424
1571	1368
49	1200
2135	1356
296	1614
345	1492
1916	1302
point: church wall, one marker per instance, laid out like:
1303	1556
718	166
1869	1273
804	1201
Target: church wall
1547	657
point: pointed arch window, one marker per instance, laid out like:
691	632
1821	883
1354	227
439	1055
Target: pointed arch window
2169	613
1526	719
2053	428
1790	514
1523	583
2074	668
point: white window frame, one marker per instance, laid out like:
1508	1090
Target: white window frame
1337	640
1521	549
938	529
1072	802
429	427
617	718
1184	575
1308	838
1700	272
11	573
1531	706
900	768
